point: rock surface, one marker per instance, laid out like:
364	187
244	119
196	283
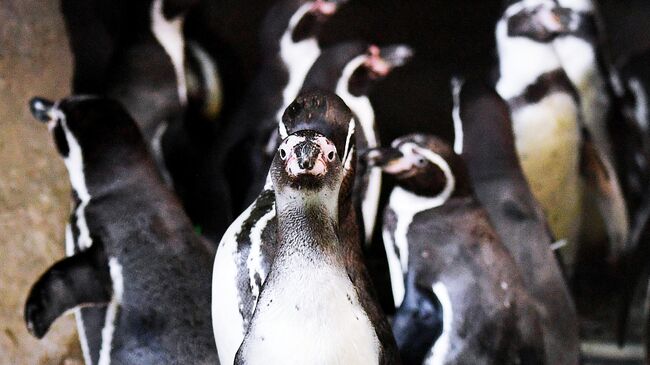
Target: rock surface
34	189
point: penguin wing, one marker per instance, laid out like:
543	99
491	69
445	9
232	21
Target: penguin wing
601	177
81	279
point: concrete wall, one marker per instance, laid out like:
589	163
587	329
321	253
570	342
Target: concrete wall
34	192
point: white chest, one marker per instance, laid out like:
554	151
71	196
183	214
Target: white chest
311	316
548	143
405	205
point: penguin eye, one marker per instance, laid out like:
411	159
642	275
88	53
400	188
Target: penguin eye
283	153
330	156
420	162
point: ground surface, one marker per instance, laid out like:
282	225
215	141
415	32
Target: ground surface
34	60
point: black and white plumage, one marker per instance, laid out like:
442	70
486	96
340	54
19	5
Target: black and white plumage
448	259
351	70
488	149
547	124
310	310
289	46
139	54
136	274
248	248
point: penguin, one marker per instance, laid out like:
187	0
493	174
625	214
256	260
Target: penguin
327	322
136	274
580	50
488	149
556	151
351	70
168	82
247	250
289	46
453	264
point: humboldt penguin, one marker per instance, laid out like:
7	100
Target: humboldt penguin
488	148
136	274
248	247
310	310
472	304
556	151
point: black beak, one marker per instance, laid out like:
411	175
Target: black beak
307	154
380	157
40	108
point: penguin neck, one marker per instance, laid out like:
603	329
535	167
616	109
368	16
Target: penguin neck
297	58
169	34
307	221
359	104
515	66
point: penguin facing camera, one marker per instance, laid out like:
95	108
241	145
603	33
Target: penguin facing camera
321	321
247	250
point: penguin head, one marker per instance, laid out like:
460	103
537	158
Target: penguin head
89	129
356	66
316	14
423	165
323	112
307	163
539	20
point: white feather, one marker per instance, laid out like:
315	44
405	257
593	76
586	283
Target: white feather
115	269
456	86
227	321
169	34
640	102
362	108
521	61
297	58
406	205
320	323
442	344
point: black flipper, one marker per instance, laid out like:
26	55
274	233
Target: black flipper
602	179
82	279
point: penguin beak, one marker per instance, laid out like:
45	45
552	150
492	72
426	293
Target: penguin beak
382	61
392	161
383	157
306	159
41	109
324	8
556	20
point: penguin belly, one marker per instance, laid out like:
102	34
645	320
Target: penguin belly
547	138
312	318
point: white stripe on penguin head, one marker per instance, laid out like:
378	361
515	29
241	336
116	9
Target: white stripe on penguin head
521	60
406	204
